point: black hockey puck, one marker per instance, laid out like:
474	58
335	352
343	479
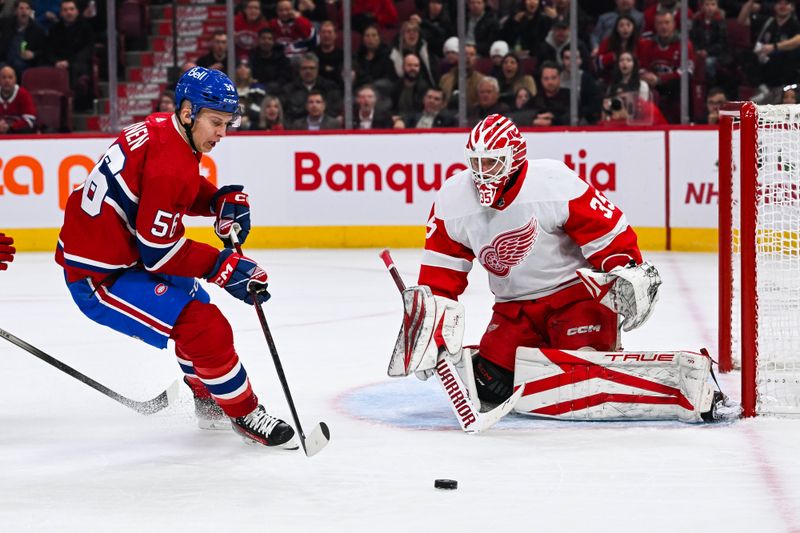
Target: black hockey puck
448	484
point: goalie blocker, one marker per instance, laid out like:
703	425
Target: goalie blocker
588	385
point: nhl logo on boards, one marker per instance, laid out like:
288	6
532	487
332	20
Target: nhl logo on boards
160	289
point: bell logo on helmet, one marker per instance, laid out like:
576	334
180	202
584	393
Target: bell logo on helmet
198	73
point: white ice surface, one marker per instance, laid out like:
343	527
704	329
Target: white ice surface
72	460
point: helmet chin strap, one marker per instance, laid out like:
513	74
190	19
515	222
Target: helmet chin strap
188	130
511	181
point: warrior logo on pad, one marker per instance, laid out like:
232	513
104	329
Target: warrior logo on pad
509	249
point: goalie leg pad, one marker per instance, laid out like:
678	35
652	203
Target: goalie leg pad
585	385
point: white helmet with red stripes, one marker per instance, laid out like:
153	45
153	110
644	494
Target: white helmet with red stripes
495	151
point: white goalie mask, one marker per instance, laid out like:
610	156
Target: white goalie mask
495	151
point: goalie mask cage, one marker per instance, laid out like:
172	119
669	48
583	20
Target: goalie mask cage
759	254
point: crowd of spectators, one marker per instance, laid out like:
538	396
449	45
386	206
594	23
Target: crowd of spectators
518	59
290	60
58	33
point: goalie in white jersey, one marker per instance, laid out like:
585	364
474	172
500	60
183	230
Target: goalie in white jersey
564	266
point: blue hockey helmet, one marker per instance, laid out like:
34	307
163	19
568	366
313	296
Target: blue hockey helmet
207	88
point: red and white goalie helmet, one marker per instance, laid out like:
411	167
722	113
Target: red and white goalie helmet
495	151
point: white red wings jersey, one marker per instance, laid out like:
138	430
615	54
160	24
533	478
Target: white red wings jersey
130	209
546	226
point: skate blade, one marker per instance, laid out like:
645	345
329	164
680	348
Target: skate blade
214	425
291	444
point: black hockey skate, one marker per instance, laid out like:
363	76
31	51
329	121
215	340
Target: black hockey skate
262	428
209	414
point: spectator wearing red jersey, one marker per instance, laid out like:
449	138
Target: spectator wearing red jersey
367	12
624	38
671	6
246	26
661	60
17	112
292	30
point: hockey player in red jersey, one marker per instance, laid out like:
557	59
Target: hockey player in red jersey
129	266
562	260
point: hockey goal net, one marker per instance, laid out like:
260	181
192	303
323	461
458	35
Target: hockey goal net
759	254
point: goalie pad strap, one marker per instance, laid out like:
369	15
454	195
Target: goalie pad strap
585	385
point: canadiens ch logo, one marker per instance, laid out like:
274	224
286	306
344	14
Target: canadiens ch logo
509	249
160	289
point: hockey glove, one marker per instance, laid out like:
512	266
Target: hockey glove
6	251
239	276
230	205
630	291
433	327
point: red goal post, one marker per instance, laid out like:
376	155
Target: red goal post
759	254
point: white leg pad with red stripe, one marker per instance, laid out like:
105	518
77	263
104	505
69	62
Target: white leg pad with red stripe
588	385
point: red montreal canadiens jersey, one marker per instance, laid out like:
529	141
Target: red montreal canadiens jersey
551	223
130	209
664	60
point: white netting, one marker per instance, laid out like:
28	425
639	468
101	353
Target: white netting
777	259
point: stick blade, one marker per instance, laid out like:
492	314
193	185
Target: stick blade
319	438
159	403
490	418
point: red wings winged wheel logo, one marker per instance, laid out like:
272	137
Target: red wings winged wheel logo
509	249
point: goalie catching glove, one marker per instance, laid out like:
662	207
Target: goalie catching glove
432	325
631	291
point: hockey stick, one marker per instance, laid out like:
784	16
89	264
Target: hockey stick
320	436
469	416
147	407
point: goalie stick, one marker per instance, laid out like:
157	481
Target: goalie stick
148	407
320	436
469	416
